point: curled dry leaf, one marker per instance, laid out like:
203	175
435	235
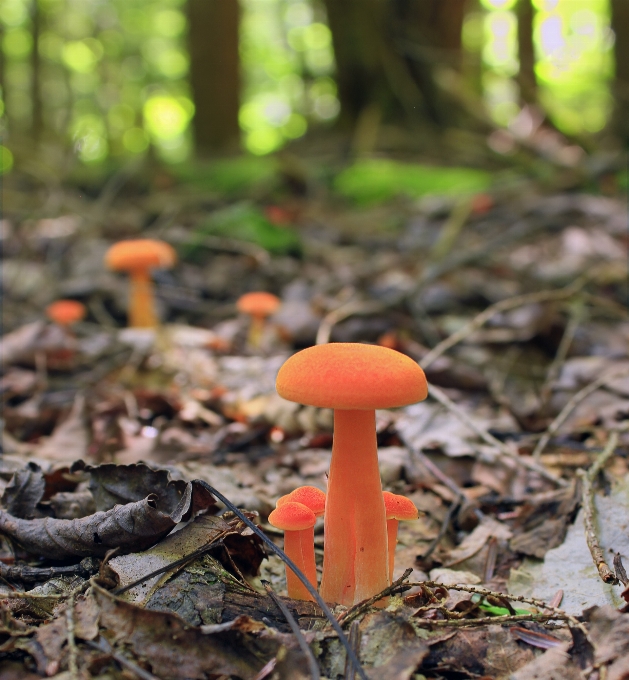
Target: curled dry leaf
24	492
134	526
176	650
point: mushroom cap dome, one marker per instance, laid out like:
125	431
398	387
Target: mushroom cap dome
309	496
65	311
399	507
292	517
258	303
349	375
142	253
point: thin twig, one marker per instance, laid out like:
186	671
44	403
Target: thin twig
354	641
559	613
291	565
360	607
105	647
588	478
502	306
73	668
562	352
531	465
340	314
444	527
575	400
173	565
301	640
492	620
18	594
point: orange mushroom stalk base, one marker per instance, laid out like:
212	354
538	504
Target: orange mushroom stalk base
141	304
355	561
298	545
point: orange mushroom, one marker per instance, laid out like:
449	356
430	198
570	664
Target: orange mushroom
259	305
138	257
309	496
298	522
354	380
396	508
62	350
65	312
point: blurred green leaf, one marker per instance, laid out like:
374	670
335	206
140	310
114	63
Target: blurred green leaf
233	176
245	222
379	180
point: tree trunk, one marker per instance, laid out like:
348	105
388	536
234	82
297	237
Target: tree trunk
526	52
37	121
620	25
387	56
215	74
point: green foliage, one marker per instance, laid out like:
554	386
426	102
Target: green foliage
245	222
377	180
240	176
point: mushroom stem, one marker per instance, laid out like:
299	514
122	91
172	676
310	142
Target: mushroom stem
256	330
355	564
299	546
392	525
141	304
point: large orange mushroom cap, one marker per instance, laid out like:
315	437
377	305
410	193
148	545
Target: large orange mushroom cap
258	303
351	376
65	312
144	253
399	507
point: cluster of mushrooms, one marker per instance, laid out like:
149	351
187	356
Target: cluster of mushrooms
360	520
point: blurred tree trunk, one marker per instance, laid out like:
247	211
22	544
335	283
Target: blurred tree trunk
389	55
37	120
526	52
620	26
215	74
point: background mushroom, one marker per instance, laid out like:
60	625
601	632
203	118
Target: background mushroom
396	508
64	313
138	257
309	496
354	380
258	305
297	521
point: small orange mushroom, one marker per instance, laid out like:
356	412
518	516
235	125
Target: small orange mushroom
65	312
298	522
309	496
138	257
259	305
396	508
354	380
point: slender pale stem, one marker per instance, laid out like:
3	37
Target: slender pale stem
141	302
256	330
294	542
392	525
355	562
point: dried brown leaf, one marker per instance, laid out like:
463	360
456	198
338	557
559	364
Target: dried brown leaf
175	650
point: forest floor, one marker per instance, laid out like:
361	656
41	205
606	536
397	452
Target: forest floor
514	302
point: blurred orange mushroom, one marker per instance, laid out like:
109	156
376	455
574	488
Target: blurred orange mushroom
66	312
396	508
60	355
138	257
297	521
354	380
258	305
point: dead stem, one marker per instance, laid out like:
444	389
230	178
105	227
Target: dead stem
301	640
355	611
73	669
571	405
557	613
443	399
502	306
588	478
354	641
